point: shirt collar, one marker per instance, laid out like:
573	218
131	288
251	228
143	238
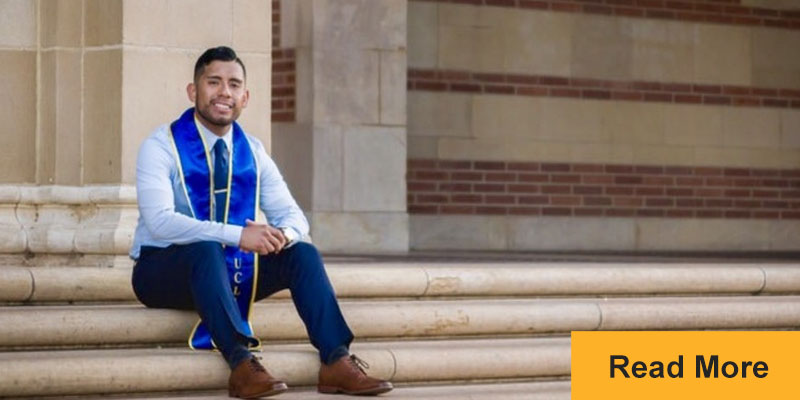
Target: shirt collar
211	138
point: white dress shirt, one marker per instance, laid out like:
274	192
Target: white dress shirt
164	213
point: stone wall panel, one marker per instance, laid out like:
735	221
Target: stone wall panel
102	116
439	114
361	232
570	233
775	59
250	33
328	170
688	125
751	128
568	120
18	23
501	117
538	43
290	150
360	24
346	91
458	233
663	51
790	129
193	24
423	147
18	113
374	169
602	47
423	39
630	122
45	168
104	22
392	88
660	154
60	118
720	45
62	23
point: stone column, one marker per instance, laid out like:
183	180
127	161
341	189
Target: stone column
84	86
345	155
18	59
83	83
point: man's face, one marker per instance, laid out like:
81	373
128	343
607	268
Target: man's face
219	95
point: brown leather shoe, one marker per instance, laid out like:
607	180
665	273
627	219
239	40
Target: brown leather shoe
347	376
249	380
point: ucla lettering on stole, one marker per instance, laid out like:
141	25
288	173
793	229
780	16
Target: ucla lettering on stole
194	164
237	277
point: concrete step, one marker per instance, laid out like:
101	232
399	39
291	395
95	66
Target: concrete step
420	279
87	372
541	390
135	325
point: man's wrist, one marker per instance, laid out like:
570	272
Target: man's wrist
290	234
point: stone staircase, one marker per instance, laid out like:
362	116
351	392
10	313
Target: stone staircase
438	327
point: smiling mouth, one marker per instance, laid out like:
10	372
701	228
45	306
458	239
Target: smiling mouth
222	106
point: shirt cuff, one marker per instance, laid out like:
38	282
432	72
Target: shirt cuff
231	234
293	235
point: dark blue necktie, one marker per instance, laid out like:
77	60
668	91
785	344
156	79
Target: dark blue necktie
220	178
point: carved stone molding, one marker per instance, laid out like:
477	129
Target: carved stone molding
67	219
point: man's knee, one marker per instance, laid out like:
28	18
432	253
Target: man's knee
305	251
305	257
204	257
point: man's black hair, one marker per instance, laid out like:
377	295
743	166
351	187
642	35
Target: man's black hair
221	53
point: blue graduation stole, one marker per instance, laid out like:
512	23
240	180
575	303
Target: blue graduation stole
194	167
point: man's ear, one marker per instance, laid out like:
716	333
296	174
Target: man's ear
246	98
191	91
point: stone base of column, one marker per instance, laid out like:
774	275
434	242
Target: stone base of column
67	219
516	233
360	232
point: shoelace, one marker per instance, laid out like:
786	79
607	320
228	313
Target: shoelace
255	365
360	364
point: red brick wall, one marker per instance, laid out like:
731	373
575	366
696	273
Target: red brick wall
714	11
283	85
598	89
276	24
607	190
283	73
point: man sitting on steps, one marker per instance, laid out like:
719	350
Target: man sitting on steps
200	183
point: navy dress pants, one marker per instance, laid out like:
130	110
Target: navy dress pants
194	277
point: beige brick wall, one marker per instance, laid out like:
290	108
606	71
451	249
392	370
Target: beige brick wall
778	4
513	41
518	128
518	119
